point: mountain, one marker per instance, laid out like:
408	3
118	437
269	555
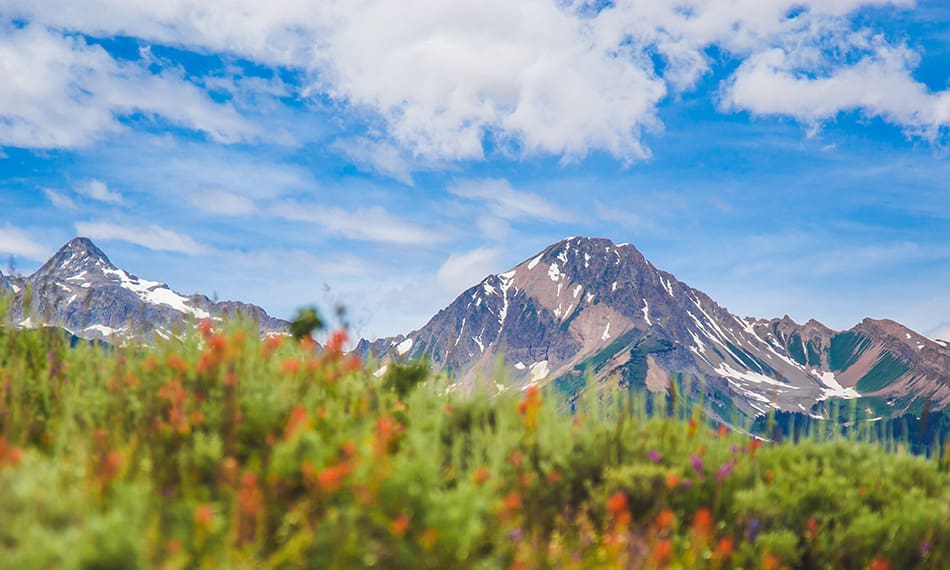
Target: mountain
80	290
588	304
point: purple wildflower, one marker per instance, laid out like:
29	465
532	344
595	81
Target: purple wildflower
725	470
752	532
924	548
515	535
655	456
697	463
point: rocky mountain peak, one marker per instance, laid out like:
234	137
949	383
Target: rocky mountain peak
78	257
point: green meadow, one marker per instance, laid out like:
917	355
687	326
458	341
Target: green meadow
223	450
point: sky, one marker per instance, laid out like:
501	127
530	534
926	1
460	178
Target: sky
784	156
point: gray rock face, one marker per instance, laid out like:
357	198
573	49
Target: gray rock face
80	290
588	304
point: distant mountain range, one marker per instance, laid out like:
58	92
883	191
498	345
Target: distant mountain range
588	304
80	290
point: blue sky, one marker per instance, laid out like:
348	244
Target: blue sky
783	156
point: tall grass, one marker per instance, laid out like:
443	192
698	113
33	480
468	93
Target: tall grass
223	450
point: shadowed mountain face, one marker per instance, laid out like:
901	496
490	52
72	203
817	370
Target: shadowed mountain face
588	304
80	290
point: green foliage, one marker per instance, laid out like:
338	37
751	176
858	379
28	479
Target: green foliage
305	323
226	451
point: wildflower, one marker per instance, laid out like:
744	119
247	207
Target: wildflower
428	538
205	327
177	363
754	445
290	366
337	341
702	524
400	525
109	466
697	463
924	548
250	498
811	528
529	406
663	552
331	478
617	503
654	456
554	476
512	502
691	426
666	519
516	459
724	548
770	561
722	431
515	534
752	532
880	564
271	344
204	516
725	470
481	475
672	480
735	449
298	421
686	484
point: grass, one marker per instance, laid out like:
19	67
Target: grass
223	450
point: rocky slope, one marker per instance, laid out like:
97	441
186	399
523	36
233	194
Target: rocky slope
80	290
588	304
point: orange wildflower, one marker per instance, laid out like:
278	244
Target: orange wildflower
336	342
672	480
617	503
271	344
754	445
400	525
770	561
529	406
204	515
663	552
691	427
290	366
481	475
109	466
665	519
331	478
250	498
512	502
880	564
702	524
205	327
177	363
722	431
298	421
428	538
811	528
725	547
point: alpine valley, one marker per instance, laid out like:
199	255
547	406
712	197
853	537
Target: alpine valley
586	305
81	291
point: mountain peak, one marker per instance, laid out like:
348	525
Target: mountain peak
76	256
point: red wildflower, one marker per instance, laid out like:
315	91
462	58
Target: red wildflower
723	431
337	341
617	503
672	479
512	502
298	421
205	327
290	366
331	478
691	427
754	445
271	344
176	363
724	548
400	525
702	524
663	552
880	564
529	406
770	561
811	528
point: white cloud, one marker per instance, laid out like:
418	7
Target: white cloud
153	237
217	201
462	270
99	191
59	200
61	92
561	77
15	241
506	202
372	223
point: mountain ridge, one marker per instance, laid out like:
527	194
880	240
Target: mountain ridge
82	291
589	303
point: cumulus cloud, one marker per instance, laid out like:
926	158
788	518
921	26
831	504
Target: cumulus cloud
506	202
17	242
61	92
99	191
446	80
153	237
371	223
462	270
